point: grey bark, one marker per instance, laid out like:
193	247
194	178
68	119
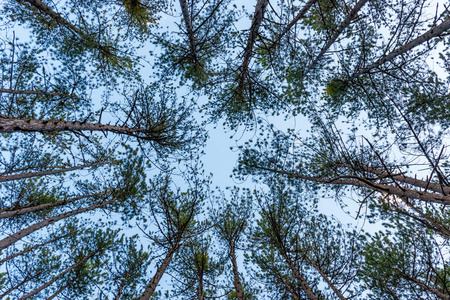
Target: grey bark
237	281
430	34
19	285
25	210
300	279
10	240
254	29
39	289
151	287
22	92
366	183
9	125
328	281
43	8
438	188
30	249
189	28
4	178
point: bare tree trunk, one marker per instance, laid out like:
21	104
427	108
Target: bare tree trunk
288	287
367	183
22	92
30	249
189	29
4	178
200	286
6	242
9	125
237	281
121	287
333	39
20	284
430	34
59	291
151	287
300	279
426	287
254	29
438	188
43	8
328	281
278	240
39	289
25	210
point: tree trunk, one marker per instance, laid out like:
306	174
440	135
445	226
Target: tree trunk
300	279
25	210
333	39
328	281
30	249
22	92
432	33
159	273
6	242
59	291
18	285
189	29
237	281
121	287
288	287
43	8
425	287
4	178
9	125
426	185
367	183
254	29
34	292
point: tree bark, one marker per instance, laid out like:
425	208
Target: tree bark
6	242
4	178
430	34
39	289
300	279
25	210
288	287
328	281
237	281
425	287
43	8
18	285
151	287
366	183
189	29
254	29
9	125
412	181
333	39
22	92
121	287
59	291
30	249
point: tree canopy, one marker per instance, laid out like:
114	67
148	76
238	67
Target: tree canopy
107	107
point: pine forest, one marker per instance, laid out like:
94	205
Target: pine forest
225	149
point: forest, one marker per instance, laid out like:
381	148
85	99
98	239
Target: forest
108	184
